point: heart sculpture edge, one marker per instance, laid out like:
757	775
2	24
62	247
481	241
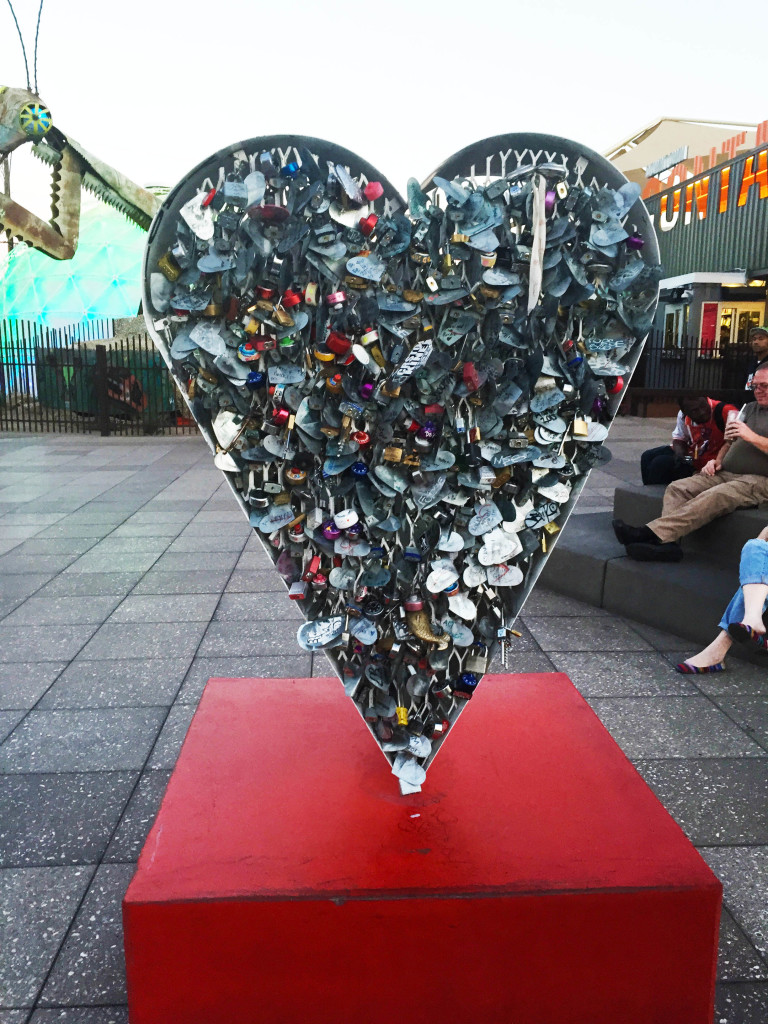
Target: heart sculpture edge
406	398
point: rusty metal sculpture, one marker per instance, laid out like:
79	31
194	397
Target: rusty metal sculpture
25	118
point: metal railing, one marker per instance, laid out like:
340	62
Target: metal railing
685	365
79	381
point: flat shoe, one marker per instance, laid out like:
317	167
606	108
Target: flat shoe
693	670
626	534
655	552
749	637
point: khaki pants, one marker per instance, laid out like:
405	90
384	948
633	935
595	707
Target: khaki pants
689	504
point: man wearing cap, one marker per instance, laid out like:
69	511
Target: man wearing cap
758	339
737	478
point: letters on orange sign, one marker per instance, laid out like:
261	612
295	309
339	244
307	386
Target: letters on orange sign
699	189
725	178
667	221
754	176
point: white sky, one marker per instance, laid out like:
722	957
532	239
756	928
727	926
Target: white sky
154	87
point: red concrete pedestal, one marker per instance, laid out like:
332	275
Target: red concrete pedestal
535	880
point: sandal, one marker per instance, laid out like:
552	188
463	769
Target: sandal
749	637
695	670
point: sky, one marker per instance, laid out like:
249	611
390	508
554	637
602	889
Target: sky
155	87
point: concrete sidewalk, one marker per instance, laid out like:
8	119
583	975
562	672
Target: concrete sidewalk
126	572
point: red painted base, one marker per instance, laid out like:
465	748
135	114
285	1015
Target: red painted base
535	880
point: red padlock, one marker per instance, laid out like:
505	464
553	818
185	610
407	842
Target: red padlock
616	386
291	298
368	224
471	378
373	190
209	198
312	569
338	344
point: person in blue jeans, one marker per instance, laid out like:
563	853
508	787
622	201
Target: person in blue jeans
742	620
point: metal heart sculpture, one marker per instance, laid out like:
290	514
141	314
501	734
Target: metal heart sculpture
406	398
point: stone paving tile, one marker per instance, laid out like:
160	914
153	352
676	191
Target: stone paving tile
244	608
114	545
163	516
81	1015
263	636
631	674
138	817
741	1004
90	584
49	643
657	638
23	586
119	561
67	528
65	818
751	713
199	542
35	519
90	969
738	960
207	581
716	801
104	739
8	722
220	516
191	561
256	581
24	532
134	682
98	515
256	559
292	666
55	546
743	870
166	608
143	530
522	661
168	746
584	633
36	907
206	527
42	609
543	602
121	640
14	564
15	1016
672	727
22	684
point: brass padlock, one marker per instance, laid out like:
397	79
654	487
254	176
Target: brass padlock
580	428
392	454
168	267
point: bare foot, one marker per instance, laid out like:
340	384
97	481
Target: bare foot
713	654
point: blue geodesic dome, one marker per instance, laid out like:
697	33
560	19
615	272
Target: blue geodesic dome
102	281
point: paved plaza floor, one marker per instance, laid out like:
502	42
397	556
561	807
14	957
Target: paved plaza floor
126	575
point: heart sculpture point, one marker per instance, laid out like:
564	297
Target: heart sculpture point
405	397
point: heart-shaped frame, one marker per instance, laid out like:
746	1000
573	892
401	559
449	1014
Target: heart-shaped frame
362	367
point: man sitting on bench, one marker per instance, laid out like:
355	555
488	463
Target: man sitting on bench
737	478
697	438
